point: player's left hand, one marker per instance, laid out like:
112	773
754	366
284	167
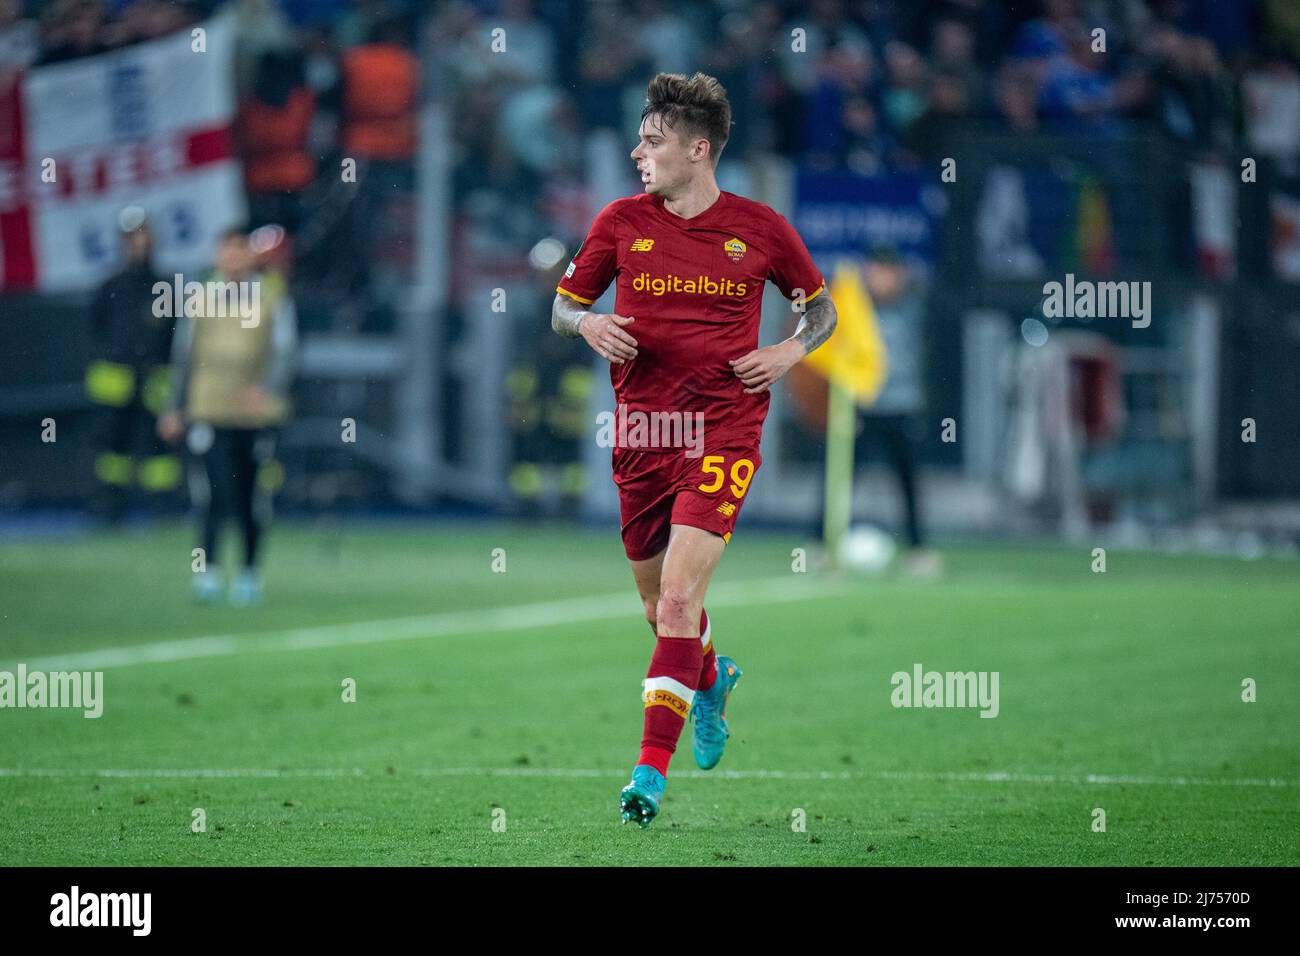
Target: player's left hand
761	367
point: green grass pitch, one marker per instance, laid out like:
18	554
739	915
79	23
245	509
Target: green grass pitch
497	714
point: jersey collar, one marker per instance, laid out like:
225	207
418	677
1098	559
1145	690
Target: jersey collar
705	218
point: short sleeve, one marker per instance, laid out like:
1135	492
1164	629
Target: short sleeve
790	265
596	263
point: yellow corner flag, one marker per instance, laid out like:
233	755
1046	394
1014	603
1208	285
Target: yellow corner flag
853	362
854	356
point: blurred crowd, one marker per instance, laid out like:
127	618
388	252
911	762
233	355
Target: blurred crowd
865	85
833	83
860	85
36	33
526	87
315	80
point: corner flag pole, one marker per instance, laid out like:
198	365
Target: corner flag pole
853	362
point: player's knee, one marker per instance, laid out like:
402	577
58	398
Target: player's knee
674	610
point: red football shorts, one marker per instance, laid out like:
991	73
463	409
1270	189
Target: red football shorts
658	489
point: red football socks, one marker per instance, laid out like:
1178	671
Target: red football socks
709	672
669	689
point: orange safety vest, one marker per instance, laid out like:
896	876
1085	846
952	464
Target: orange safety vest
380	85
275	143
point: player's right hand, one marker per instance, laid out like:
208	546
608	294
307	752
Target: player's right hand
605	334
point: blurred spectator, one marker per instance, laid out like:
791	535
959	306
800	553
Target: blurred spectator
260	26
1044	37
1283	19
1076	93
1231	27
20	39
380	85
315	13
274	126
822	28
71	29
610	73
667	40
230	395
1272	110
544	132
511	49
1016	93
894	418
357	19
838	118
142	20
1190	92
892	421
904	98
322	73
949	100
739	57
954	52
128	379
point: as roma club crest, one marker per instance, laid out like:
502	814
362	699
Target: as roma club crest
735	248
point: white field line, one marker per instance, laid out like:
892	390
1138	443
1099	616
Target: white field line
1050	779
420	627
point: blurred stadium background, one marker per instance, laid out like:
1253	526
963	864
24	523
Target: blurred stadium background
479	171
484	137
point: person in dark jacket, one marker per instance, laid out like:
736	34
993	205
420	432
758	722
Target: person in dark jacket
128	380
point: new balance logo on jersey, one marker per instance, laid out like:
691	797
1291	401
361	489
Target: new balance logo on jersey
726	509
642	245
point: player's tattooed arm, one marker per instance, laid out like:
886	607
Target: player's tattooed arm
761	368
604	333
566	316
817	324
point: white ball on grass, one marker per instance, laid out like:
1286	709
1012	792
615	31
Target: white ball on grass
866	548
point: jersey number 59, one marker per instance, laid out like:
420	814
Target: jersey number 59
742	471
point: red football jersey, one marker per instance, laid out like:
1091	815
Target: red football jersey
695	288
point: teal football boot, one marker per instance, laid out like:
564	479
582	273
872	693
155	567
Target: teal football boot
640	799
709	711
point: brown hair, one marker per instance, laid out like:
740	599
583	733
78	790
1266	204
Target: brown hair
695	107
